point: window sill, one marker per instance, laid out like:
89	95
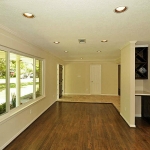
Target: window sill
15	111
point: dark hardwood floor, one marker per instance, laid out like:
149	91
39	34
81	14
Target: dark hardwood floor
83	126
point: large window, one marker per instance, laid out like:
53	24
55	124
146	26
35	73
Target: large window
21	80
2	82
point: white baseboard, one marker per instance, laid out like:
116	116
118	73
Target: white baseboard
89	94
109	94
76	94
9	141
130	125
138	115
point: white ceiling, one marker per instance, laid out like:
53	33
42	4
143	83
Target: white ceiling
67	21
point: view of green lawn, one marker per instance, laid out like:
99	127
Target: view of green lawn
26	91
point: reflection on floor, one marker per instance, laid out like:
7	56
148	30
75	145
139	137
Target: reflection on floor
93	99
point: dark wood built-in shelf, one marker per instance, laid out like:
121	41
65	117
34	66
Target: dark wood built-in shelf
141	63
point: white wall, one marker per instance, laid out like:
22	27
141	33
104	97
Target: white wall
15	124
127	101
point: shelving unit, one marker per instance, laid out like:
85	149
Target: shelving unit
141	63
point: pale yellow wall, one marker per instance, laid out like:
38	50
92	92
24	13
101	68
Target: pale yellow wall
138	110
77	78
138	85
110	79
127	101
11	127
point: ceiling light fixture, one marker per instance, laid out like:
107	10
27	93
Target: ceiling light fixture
28	15
66	51
98	51
56	42
120	9
104	40
81	58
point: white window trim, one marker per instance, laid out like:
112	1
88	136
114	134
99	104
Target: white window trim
13	112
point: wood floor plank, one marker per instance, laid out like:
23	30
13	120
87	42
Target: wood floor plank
83	126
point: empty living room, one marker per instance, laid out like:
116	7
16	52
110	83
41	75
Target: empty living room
74	75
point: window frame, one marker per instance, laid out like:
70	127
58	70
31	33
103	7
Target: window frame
12	112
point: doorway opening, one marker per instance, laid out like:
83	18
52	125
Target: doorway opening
119	78
60	81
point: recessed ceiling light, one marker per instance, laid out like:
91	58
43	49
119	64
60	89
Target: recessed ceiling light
66	51
56	42
98	51
120	9
28	15
104	40
81	58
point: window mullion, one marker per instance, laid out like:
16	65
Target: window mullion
17	80
7	81
34	78
41	78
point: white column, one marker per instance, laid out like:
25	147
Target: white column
127	99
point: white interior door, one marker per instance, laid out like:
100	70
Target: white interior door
95	79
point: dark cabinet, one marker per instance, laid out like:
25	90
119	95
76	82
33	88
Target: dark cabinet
141	63
146	106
